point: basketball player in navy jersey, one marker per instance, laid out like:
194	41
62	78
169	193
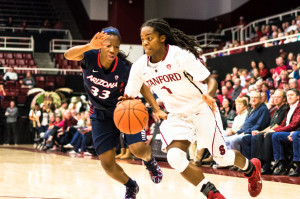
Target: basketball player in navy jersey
105	74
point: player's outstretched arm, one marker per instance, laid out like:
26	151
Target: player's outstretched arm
76	53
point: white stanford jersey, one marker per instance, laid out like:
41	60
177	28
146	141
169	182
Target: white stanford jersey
168	79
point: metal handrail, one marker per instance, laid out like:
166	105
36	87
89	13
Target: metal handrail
39	30
246	47
64	71
15	46
68	43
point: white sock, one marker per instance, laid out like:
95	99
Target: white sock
203	182
246	165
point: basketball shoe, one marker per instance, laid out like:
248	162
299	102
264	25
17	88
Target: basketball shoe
211	191
132	191
154	170
254	181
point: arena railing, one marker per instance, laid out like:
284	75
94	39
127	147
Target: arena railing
247	46
247	30
209	39
44	70
24	44
37	30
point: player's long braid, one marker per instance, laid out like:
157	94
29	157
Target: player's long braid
173	35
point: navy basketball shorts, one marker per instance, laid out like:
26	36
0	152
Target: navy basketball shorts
106	135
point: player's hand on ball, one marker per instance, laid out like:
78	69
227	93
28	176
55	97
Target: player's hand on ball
99	40
210	101
124	97
160	114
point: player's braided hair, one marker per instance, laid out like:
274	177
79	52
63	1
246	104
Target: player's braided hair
114	31
173	35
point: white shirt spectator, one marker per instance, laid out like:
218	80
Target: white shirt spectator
290	113
10	76
239	121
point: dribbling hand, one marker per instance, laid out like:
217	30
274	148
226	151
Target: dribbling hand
99	40
160	115
210	101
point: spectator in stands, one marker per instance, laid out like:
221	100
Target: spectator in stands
290	58
264	98
293	84
271	105
235	71
244	90
229	84
258	85
59	25
46	24
28	81
239	120
280	67
24	26
263	70
227	110
265	88
9	23
202	58
43	119
2	92
257	34
261	141
219	29
257	119
227	77
10	75
283	80
215	74
253	65
11	114
295	73
292	27
244	75
224	94
242	21
256	74
290	123
237	88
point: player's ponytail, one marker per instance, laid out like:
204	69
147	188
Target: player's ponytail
173	35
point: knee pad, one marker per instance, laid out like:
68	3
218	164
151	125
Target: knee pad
177	159
227	159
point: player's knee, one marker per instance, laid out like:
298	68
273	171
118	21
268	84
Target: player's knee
108	166
227	159
177	159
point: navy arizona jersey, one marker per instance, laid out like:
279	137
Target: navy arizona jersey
104	87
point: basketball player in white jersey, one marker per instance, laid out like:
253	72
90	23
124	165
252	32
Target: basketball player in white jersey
171	69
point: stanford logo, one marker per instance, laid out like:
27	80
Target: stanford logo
116	77
168	66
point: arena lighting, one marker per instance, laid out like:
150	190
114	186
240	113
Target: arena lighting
130	1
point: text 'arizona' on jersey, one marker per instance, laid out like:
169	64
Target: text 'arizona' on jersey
104	87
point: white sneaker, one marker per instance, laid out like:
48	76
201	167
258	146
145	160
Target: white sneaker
68	146
87	153
72	152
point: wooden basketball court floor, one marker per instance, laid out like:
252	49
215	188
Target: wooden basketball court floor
26	173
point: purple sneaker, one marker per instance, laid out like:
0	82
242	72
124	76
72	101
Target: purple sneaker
131	191
154	170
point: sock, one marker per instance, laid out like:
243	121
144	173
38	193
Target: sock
202	183
208	187
149	162
130	183
249	168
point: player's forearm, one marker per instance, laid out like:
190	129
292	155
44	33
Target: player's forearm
76	53
145	91
212	86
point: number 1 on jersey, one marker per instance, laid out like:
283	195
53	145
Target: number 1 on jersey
169	90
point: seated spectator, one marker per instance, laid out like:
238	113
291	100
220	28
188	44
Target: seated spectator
256	73
229	85
28	81
224	94
261	141
264	98
265	88
284	79
290	123
237	88
239	120
10	75
257	119
295	70
227	77
227	110
2	92
215	74
253	65
235	72
280	67
271	106
290	58
258	85
244	75
244	90
293	84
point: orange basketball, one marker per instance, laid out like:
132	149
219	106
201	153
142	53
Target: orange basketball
131	116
